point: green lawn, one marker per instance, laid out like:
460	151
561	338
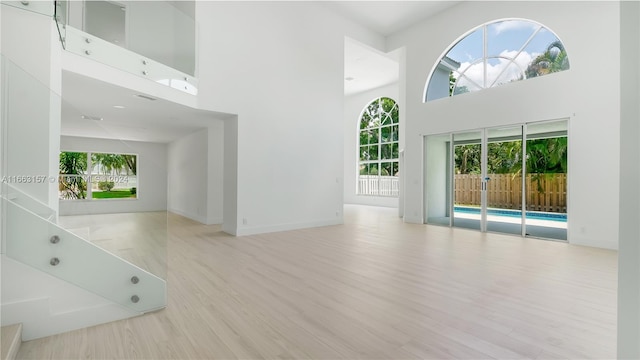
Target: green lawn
113	194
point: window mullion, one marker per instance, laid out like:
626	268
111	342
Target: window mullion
89	180
484	56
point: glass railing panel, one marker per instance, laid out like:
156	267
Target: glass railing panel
35	180
101	30
29	113
56	251
83	44
38	6
150	21
22	199
60	15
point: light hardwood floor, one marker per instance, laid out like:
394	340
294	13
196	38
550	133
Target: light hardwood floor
374	288
140	238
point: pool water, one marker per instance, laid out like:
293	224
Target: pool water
537	215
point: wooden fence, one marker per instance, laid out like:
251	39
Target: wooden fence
544	192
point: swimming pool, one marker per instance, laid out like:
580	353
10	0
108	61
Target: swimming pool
536	215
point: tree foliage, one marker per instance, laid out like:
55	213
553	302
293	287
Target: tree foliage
73	168
544	156
554	59
117	163
456	89
379	132
73	163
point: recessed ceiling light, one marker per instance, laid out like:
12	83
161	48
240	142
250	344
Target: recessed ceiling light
95	118
118	106
349	78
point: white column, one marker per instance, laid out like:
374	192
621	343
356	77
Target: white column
629	227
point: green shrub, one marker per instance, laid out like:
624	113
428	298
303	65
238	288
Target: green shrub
105	185
133	191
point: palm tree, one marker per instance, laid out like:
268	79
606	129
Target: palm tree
72	166
545	156
504	157
109	162
467	159
554	59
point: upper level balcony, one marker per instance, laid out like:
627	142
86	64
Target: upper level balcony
151	39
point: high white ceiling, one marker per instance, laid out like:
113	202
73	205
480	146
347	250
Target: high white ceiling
366	68
163	121
388	17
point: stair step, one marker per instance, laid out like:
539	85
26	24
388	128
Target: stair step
11	340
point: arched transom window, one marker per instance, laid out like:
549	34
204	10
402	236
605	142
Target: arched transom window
495	54
378	148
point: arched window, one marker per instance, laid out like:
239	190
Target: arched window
494	54
378	148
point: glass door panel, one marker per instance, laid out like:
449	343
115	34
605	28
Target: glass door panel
504	180
468	180
546	180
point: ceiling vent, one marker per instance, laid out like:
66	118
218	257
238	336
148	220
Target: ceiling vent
94	118
146	97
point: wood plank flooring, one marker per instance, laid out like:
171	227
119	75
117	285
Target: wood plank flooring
374	288
140	238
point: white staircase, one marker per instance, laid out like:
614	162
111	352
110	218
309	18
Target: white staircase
54	281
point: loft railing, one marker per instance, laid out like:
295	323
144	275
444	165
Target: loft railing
150	39
39	7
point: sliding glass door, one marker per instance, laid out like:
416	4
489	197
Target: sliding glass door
509	179
504	180
546	180
468	175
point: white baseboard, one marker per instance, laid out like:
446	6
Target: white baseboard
198	218
413	219
244	230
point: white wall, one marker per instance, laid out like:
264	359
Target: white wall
187	164
215	172
353	106
196	174
152	176
588	97
282	73
629	251
436	149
